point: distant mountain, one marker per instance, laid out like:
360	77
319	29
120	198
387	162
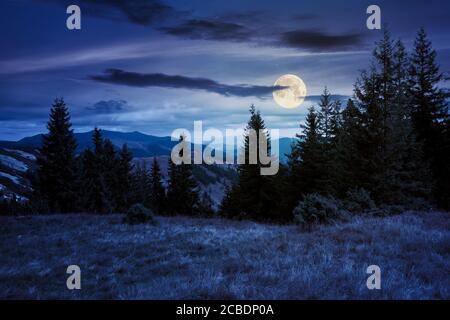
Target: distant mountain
140	144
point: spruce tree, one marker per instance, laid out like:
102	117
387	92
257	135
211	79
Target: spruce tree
141	185
430	113
392	170
257	192
375	94
348	162
408	174
96	193
124	172
158	193
230	206
97	141
182	193
328	117
109	162
307	160
56	179
324	115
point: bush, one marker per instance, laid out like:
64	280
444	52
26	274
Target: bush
358	201
316	209
137	213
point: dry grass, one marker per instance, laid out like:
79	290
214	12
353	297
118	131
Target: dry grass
183	258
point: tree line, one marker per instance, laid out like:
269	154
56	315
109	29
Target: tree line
102	179
387	147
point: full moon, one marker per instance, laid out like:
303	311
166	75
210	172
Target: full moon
293	95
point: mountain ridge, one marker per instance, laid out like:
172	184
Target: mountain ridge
140	144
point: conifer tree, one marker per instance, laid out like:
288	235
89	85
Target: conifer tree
375	94
158	193
408	173
256	192
348	168
324	115
124	171
55	179
141	185
182	193
391	169
96	193
328	117
308	162
230	206
97	141
109	165
430	113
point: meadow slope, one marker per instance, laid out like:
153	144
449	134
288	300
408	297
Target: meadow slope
186	258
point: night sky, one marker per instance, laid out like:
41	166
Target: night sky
154	66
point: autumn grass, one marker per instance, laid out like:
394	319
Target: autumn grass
184	258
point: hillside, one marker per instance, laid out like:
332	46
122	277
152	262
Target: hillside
185	258
15	179
212	179
14	175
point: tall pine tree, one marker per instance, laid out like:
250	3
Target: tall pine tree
256	191
182	193
95	190
307	161
430	113
392	171
56	174
348	162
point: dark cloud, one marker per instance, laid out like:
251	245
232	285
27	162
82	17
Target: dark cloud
209	30
134	79
109	106
142	12
320	41
245	31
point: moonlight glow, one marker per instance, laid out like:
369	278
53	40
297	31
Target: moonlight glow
293	95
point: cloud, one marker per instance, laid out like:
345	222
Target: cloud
320	41
141	12
109	106
209	30
256	32
134	79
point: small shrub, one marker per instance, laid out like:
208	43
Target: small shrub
137	213
316	209
358	201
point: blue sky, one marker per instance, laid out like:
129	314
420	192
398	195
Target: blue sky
154	66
